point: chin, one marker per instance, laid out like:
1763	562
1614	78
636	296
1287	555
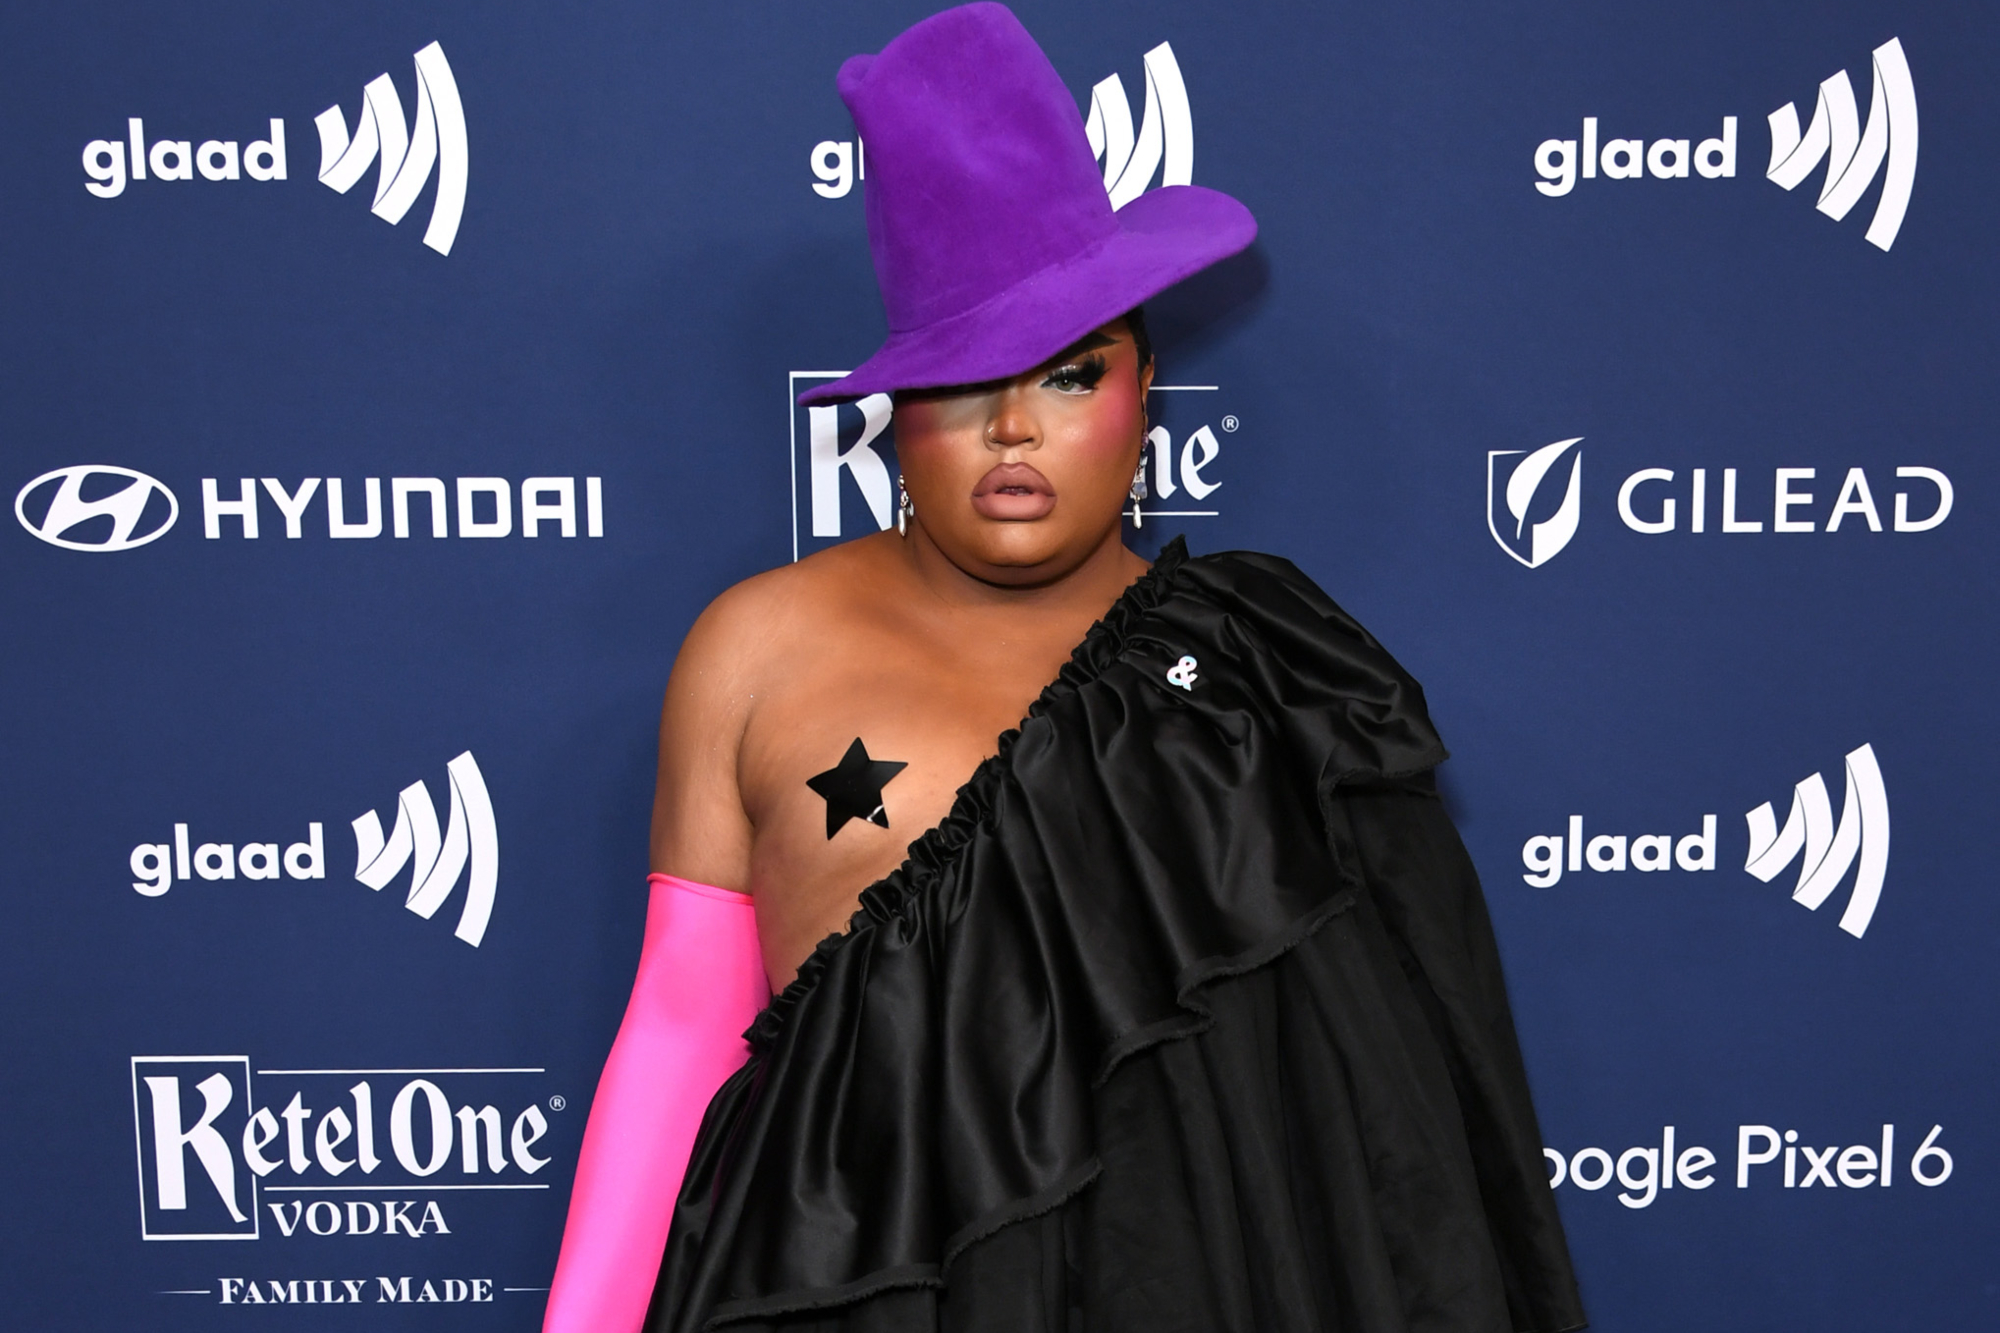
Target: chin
1030	550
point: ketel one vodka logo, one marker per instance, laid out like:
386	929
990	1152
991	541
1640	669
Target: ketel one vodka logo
1533	502
844	463
323	1152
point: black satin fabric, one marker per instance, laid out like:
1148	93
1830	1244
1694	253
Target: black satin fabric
1187	1017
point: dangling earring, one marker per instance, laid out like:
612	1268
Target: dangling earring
904	509
1139	491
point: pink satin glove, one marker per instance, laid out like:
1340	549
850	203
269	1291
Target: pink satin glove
701	983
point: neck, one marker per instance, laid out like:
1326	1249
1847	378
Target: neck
1087	585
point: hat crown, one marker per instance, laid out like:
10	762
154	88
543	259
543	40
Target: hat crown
979	171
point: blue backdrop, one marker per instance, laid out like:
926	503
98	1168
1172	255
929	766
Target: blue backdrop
357	529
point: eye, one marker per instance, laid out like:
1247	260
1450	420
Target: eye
1076	377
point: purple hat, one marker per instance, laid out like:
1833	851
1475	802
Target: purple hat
995	242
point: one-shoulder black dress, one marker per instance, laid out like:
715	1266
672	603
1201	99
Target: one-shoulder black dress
1187	1017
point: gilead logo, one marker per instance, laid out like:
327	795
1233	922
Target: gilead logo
1535	500
1530	526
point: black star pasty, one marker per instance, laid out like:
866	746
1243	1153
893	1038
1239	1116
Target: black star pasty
853	788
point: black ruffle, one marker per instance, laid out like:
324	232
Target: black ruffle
1187	1015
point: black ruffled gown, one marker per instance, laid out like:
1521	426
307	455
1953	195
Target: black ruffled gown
1187	1017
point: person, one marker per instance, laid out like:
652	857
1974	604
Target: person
1182	1012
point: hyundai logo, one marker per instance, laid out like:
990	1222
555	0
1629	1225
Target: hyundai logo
91	491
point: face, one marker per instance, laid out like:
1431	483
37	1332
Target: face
1018	481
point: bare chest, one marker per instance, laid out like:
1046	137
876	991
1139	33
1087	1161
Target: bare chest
854	756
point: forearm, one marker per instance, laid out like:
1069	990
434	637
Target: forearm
700	984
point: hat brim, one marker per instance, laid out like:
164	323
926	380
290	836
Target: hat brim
1163	236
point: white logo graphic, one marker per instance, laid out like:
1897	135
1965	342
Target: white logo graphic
826	459
1645	1170
1509	504
1547	855
1182	673
136	509
1162	146
207	1149
1532	526
407	152
437	862
1854	155
829	439
1166	132
158	864
1862	836
105	162
126	506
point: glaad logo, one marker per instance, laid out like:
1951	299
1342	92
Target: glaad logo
1854	155
1163	145
1860	843
104	160
1534	506
436	863
381	132
1853	159
1166	132
1862	837
1533	544
96	507
407	150
854	439
206	1147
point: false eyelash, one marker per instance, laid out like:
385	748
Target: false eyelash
1087	371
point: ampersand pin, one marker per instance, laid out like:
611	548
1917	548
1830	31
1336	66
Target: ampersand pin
1182	673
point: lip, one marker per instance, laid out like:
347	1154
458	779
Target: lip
1013	493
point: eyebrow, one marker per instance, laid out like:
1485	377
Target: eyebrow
1089	342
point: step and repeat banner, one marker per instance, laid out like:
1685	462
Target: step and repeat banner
387	387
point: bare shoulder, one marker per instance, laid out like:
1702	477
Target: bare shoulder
755	627
742	649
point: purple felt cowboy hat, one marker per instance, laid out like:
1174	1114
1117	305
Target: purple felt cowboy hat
995	243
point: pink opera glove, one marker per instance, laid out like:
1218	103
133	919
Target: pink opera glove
701	983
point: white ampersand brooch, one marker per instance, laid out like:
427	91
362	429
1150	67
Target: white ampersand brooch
1182	674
